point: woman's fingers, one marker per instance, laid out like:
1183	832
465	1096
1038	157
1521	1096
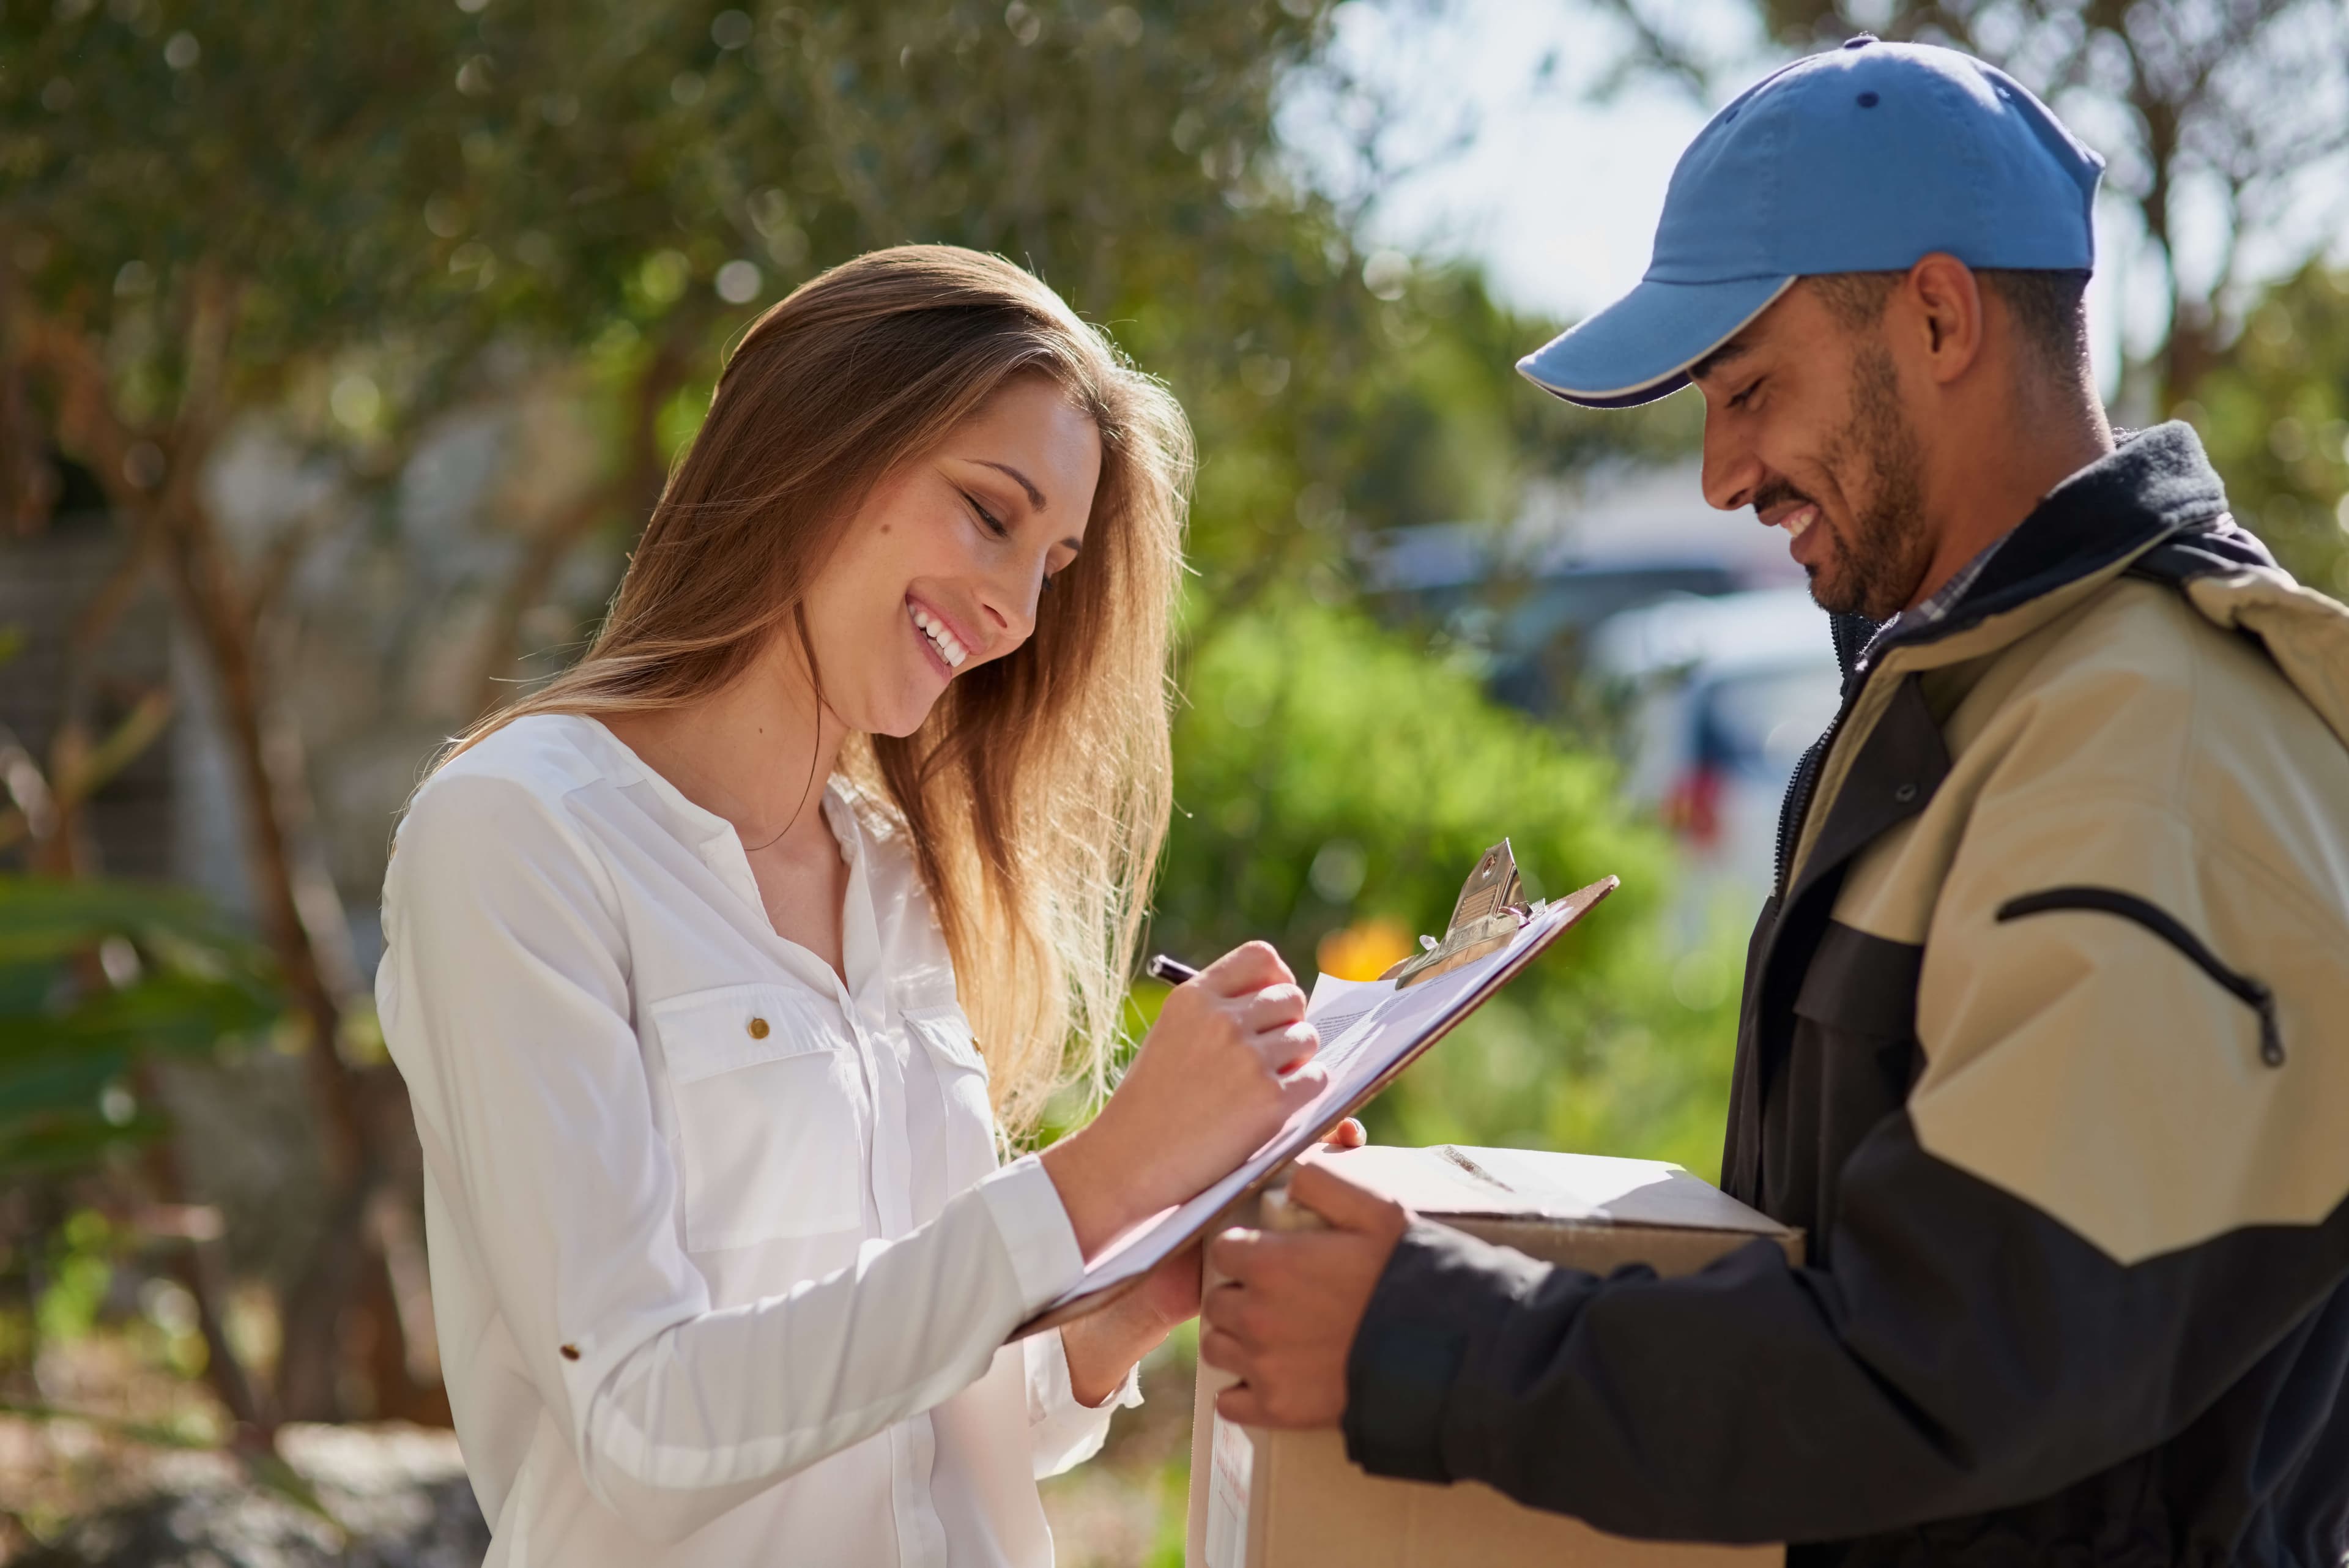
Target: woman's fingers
1288	1048
1302	1086
1229	1061
1250	967
1274	1007
1348	1134
1274	1018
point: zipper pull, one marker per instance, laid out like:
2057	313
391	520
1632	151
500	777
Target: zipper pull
2271	1033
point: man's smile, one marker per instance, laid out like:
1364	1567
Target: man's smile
1794	519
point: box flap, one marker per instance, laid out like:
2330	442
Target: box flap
1529	1184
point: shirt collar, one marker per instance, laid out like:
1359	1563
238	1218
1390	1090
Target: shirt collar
722	849
1935	606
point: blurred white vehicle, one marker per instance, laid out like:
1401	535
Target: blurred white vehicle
1724	694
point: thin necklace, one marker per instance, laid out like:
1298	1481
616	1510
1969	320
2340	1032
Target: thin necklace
804	789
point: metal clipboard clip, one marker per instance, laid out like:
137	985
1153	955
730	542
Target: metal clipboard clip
1492	910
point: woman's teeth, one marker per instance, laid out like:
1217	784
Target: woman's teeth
1795	522
953	652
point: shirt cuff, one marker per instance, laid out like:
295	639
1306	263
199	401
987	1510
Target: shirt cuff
1052	1390
1129	1393
1029	1217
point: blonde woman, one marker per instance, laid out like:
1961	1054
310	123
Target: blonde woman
686	950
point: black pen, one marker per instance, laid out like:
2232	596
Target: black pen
1172	970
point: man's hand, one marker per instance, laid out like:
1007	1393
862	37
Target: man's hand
1284	1319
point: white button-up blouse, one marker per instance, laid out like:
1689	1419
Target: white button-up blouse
723	1261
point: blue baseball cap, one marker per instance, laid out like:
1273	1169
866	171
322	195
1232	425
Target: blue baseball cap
1862	159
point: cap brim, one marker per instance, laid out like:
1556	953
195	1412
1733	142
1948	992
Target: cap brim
1640	349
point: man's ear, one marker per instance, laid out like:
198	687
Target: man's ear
1947	313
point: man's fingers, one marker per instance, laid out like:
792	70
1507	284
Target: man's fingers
1345	1205
1241	1317
1348	1134
1232	1255
1221	1351
1239	1403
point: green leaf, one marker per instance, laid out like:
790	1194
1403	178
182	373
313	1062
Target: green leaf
62	1078
67	1030
41	917
69	1141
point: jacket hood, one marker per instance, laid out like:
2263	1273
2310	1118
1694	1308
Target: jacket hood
2156	504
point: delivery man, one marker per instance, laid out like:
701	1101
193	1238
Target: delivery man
2044	1042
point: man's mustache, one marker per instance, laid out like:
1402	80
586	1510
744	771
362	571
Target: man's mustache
1775	491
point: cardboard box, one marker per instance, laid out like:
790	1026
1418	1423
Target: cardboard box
1292	1499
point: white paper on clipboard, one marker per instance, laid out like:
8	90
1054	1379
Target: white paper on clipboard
1369	1044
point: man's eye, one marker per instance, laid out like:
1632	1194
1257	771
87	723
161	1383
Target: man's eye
1739	401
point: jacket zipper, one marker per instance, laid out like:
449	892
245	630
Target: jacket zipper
2251	992
1799	799
1851	634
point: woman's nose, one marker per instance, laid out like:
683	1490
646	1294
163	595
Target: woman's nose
1009	605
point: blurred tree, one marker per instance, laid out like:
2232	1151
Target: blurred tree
40	818
194	213
639	177
2275	412
99	983
2221	103
218	237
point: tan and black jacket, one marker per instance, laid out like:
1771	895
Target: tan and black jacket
2045	1045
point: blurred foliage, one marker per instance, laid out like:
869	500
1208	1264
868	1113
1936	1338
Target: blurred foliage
96	979
100	983
1329	775
353	238
2276	417
346	235
450	193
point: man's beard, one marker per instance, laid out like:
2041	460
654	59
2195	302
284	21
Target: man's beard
1876	570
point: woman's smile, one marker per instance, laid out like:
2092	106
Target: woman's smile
937	638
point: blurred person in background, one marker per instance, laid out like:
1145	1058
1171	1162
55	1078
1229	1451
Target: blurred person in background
687	949
2044	1043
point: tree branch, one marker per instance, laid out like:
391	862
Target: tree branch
637	484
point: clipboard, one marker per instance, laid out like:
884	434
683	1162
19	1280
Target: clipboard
1490	914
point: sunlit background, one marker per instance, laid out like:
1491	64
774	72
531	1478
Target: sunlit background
344	346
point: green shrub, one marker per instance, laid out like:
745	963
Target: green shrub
95	979
1329	774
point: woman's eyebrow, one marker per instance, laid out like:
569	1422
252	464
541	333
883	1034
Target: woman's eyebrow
1035	496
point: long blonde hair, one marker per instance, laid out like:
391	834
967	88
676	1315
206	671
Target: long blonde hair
1036	794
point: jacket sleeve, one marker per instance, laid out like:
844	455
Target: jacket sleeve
2012	1300
1965	1353
505	1000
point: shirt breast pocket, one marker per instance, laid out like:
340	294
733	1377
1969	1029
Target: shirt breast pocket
766	1094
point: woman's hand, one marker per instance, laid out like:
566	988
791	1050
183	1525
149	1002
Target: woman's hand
1229	1060
1101	1347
